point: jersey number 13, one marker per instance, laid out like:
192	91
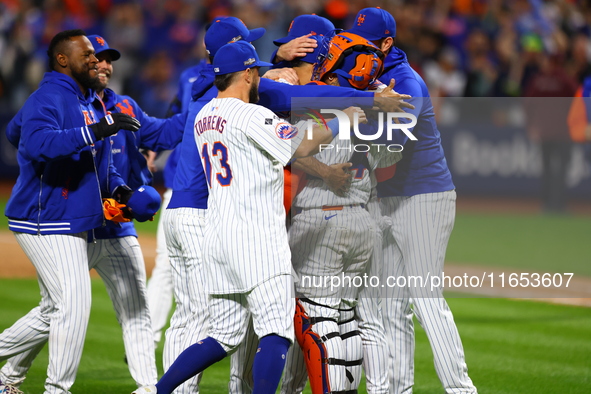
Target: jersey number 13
219	151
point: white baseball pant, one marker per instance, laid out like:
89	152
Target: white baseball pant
189	323
271	305
61	318
160	292
120	264
332	244
415	246
371	327
241	363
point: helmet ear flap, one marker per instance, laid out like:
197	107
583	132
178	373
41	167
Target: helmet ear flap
364	72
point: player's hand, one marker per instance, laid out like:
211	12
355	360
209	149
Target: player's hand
112	123
287	74
122	194
298	47
150	160
338	178
389	101
351	112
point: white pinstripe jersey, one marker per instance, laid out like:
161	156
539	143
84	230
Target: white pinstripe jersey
244	148
316	193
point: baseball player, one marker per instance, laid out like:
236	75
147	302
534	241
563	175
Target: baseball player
338	181
420	200
115	252
342	232
300	40
185	217
248	268
160	286
57	199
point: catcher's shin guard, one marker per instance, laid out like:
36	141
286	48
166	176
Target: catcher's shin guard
322	348
348	328
315	354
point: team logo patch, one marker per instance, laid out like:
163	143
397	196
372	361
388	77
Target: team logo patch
286	131
109	119
249	61
101	41
268	121
216	69
237	38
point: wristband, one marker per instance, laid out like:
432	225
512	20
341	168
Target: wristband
333	125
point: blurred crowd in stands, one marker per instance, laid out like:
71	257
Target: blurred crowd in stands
471	48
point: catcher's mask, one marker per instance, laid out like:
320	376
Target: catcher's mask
356	61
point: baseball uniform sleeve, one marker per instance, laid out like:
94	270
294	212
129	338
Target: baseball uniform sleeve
276	136
43	136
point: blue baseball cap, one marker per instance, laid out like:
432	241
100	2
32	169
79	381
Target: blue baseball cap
306	24
100	45
236	56
374	24
227	29
312	57
144	203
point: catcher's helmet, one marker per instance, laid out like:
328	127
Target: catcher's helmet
356	61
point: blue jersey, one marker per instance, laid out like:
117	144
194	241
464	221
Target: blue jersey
181	105
189	186
423	168
63	170
155	135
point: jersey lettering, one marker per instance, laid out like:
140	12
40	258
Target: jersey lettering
359	170
206	123
224	180
219	150
88	117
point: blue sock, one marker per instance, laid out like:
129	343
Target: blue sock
269	362
190	362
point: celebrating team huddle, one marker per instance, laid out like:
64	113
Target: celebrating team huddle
256	213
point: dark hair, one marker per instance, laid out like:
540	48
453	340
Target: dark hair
297	62
222	82
55	46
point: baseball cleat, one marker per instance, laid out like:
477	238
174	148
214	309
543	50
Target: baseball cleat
145	390
8	389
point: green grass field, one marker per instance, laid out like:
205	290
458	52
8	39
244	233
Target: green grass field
511	347
529	242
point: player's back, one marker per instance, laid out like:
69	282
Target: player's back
423	168
244	171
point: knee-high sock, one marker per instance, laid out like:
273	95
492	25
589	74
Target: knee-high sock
190	362
269	363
